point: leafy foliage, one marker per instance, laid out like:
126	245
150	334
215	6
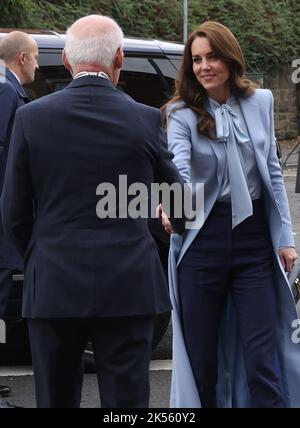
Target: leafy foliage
268	31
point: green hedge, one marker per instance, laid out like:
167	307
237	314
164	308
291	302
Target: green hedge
268	30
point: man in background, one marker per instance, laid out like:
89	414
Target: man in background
18	62
88	277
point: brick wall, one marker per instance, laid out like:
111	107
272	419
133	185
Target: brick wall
287	103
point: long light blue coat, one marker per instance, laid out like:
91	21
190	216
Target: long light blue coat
201	160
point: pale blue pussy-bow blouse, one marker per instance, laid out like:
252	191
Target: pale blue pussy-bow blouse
241	182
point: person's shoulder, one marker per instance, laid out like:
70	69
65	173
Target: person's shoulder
39	109
262	95
173	107
128	101
43	102
180	112
7	90
143	109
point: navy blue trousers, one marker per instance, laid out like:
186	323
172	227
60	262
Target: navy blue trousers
6	275
240	262
122	349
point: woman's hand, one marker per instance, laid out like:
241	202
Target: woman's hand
287	256
164	219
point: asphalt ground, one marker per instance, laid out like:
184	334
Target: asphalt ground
23	391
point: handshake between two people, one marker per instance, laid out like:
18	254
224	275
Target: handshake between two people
160	214
184	212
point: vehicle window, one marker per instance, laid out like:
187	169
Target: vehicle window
147	80
176	61
48	80
145	88
50	57
167	68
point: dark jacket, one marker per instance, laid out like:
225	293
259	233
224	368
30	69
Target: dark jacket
12	96
63	146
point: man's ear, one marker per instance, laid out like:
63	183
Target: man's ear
66	62
21	57
119	58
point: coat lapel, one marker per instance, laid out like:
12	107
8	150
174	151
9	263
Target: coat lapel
254	124
259	137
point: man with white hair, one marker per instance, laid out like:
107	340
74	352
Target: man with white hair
87	276
18	62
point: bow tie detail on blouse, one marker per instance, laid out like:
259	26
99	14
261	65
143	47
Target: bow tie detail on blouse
228	130
225	119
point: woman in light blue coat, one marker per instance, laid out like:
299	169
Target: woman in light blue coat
234	317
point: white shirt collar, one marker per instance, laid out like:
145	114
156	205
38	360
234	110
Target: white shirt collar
91	73
16	76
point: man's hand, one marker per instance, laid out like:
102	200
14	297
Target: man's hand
288	256
164	219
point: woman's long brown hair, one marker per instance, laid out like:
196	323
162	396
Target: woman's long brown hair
187	87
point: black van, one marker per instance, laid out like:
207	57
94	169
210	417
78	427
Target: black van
148	76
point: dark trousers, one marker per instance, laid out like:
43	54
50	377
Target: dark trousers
5	289
122	349
240	262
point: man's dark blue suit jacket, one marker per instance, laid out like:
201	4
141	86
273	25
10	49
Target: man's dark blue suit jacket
12	96
63	146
